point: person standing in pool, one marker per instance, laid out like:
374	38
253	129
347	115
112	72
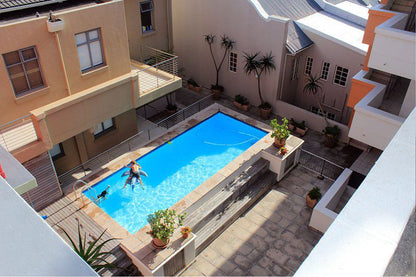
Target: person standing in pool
134	172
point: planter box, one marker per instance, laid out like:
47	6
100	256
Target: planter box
196	89
55	26
299	131
241	106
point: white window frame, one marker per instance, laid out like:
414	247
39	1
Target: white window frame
295	65
318	111
338	76
57	151
22	62
151	28
104	127
325	70
88	42
232	61
308	66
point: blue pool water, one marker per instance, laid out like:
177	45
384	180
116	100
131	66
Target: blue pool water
175	169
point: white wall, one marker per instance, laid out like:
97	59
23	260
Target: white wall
241	22
409	100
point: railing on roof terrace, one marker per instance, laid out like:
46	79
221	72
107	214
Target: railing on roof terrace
162	68
320	165
17	133
133	142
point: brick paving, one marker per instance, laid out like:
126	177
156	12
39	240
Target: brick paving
272	238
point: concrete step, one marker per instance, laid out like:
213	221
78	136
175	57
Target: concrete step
230	213
198	218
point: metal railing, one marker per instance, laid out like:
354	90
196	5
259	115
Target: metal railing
17	133
162	68
319	165
134	142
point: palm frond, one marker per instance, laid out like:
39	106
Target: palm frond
313	85
252	64
267	62
210	38
227	43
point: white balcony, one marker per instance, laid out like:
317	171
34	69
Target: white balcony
393	48
371	125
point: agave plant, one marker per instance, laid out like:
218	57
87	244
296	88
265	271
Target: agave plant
313	87
227	44
91	253
258	65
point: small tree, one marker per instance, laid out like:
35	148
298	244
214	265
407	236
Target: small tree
313	87
258	66
227	44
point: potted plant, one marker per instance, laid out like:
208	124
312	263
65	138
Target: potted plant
331	135
298	127
171	107
227	44
54	24
241	102
257	66
313	197
163	223
193	85
283	151
185	231
280	132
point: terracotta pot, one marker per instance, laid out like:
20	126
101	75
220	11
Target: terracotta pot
241	106
158	243
185	235
216	94
196	89
331	140
310	202
265	113
279	142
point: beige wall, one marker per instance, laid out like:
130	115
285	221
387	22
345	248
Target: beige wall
241	22
157	38
71	158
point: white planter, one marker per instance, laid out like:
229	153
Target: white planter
56	25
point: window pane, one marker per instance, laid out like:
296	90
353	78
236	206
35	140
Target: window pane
81	38
146	6
28	54
56	150
96	53
93	34
108	123
98	129
11	58
33	74
84	57
147	20
18	78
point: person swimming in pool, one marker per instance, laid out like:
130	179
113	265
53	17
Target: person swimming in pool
103	194
134	172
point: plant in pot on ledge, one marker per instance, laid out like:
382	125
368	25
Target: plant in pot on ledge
298	127
258	65
193	85
241	102
280	132
171	107
313	196
227	44
163	224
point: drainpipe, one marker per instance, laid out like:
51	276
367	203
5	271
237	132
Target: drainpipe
58	43
169	24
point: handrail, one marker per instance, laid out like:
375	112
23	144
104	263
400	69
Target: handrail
88	186
314	166
327	161
15	120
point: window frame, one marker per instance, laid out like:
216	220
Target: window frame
88	42
294	71
335	76
232	61
60	154
22	62
327	114
150	10
104	130
325	71
308	69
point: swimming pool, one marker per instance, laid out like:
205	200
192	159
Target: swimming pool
175	169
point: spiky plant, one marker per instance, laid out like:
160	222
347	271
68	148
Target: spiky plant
258	65
227	44
92	254
313	87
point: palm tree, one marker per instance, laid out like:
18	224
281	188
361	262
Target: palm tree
227	44
313	87
258	66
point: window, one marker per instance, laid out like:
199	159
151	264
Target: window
104	127
325	71
233	62
57	151
24	70
294	73
318	111
308	65
146	12
341	75
90	51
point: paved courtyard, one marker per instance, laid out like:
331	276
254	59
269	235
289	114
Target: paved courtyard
272	238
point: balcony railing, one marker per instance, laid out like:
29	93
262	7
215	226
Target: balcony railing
155	69
17	133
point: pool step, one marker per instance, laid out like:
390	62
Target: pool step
222	220
220	199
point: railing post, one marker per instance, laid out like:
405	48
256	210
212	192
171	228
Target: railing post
321	177
148	133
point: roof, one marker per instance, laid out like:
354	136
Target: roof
293	9
13	5
365	3
296	40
